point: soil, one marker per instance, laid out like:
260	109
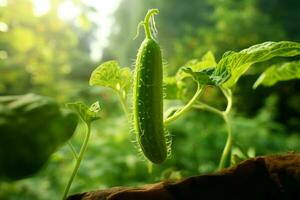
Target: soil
266	177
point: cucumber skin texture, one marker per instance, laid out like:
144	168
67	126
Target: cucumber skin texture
148	102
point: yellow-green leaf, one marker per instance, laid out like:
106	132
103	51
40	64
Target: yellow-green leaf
279	72
234	64
110	74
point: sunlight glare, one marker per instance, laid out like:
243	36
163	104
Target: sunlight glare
68	11
3	3
104	19
3	27
41	7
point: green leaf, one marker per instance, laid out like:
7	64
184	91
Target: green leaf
198	70
207	61
109	74
87	114
234	64
32	127
202	77
125	79
279	72
195	65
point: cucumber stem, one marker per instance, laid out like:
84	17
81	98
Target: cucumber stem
228	145
72	148
225	115
146	22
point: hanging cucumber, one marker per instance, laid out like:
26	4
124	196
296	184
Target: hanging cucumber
148	97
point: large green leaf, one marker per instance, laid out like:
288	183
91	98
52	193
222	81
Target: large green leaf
110	74
32	127
234	64
279	72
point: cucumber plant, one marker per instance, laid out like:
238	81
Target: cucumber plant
147	111
204	72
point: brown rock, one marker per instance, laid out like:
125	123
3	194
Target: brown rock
260	178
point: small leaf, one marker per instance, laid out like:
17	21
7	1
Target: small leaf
202	77
87	114
207	61
234	64
195	65
109	74
279	72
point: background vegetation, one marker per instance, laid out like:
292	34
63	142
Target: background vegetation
52	56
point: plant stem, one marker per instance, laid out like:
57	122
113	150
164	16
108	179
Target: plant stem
186	108
209	108
228	144
78	161
73	150
228	95
123	104
225	115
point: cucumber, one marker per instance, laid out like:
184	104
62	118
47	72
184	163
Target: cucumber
148	98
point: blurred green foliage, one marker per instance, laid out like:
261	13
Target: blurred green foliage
189	28
26	140
50	56
42	53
